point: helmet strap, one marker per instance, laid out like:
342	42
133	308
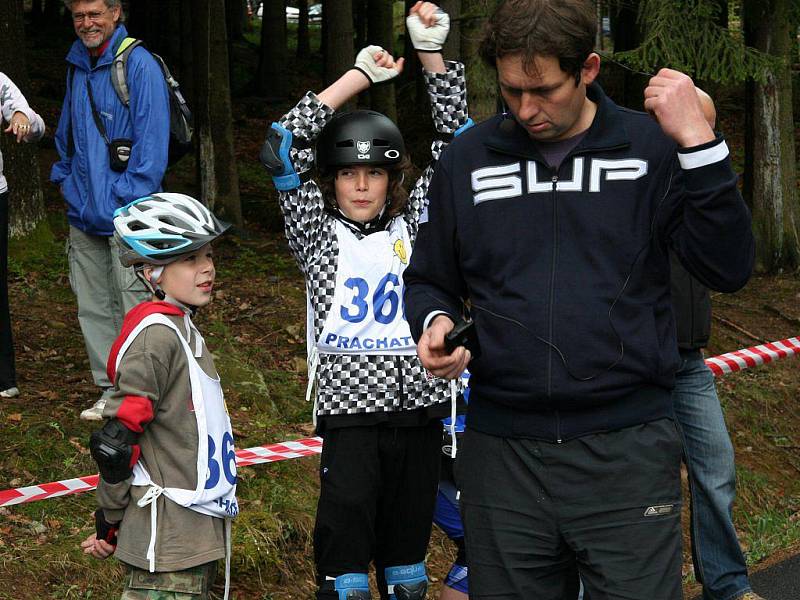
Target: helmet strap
156	290
150	283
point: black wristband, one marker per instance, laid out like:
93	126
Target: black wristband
105	530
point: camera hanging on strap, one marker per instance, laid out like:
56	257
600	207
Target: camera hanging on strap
119	149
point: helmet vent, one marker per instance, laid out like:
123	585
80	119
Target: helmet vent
345	144
184	210
380	142
175	222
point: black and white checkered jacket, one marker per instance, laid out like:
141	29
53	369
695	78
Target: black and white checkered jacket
360	384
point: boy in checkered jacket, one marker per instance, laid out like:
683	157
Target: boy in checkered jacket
351	229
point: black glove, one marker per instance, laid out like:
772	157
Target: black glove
105	531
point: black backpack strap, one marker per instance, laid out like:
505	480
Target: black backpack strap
179	101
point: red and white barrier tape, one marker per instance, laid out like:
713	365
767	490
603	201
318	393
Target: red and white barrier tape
719	365
752	357
245	457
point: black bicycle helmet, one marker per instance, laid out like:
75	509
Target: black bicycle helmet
361	137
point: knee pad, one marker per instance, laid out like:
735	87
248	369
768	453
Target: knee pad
407	582
352	586
458	578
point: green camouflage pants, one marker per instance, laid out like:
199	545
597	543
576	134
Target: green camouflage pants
190	584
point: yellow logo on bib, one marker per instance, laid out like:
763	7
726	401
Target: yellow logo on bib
400	251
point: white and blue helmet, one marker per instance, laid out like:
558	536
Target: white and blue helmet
160	228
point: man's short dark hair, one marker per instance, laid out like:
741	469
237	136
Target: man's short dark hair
562	29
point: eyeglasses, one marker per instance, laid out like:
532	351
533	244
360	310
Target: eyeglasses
90	16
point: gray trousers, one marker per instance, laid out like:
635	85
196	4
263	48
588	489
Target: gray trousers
105	291
608	504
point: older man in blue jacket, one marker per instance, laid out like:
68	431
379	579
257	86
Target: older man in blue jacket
96	177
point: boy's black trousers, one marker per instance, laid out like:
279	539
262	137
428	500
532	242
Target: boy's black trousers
377	493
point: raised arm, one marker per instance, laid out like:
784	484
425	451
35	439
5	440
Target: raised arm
288	151
428	26
708	224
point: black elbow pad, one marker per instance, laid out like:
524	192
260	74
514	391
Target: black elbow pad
112	449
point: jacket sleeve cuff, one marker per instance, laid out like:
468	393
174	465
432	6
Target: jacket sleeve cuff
704	154
113	515
426	323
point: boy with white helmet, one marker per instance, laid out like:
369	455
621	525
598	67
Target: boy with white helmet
351	232
167	488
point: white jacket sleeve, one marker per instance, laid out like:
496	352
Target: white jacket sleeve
12	101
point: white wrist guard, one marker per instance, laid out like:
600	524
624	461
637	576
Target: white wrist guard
366	64
428	39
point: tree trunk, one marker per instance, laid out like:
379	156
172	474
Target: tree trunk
774	185
186	62
362	38
20	161
722	17
412	71
339	51
272	80
235	13
598	38
169	46
482	93
216	159
381	32
234	23
452	47
323	33
627	34
303	43
37	11
145	21
51	10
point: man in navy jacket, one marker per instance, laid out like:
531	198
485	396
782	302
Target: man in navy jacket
91	187
555	221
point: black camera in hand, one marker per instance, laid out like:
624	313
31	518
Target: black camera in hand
463	334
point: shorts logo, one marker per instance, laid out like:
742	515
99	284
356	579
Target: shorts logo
658	511
363	149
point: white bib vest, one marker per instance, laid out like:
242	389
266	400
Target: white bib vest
367	315
215	494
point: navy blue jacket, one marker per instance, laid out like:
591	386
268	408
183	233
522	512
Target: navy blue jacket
542	257
91	189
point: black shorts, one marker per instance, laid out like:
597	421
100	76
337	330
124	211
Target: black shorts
608	504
